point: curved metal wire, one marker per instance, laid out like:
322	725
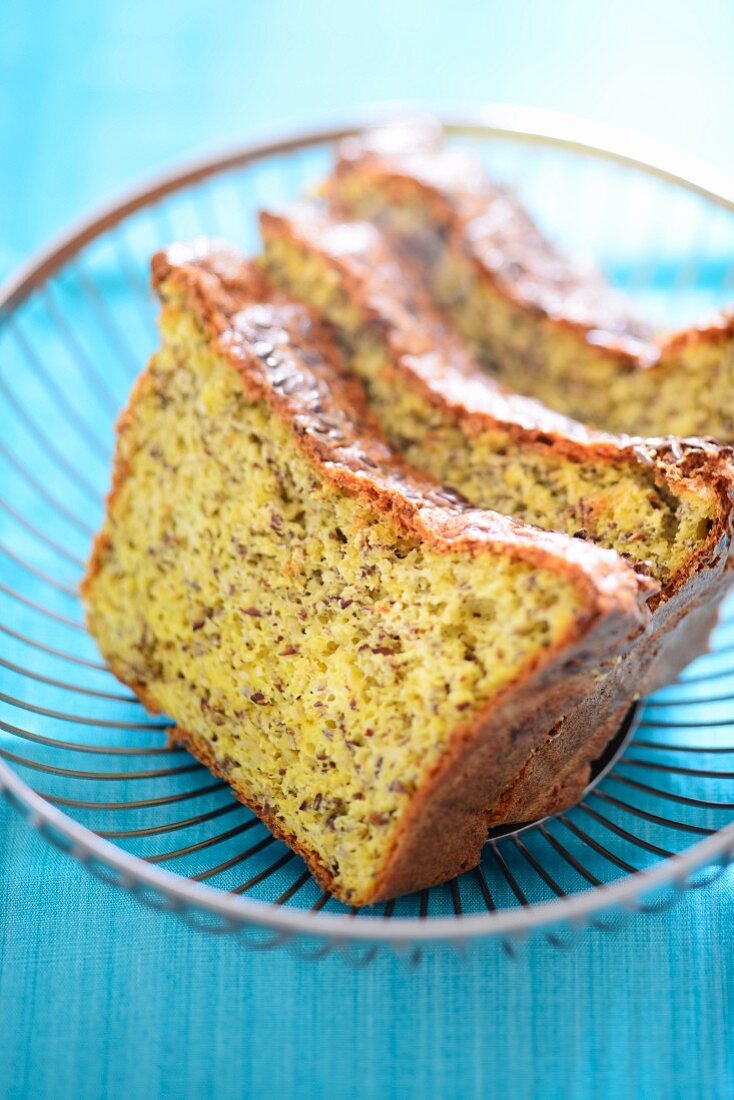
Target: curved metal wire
85	302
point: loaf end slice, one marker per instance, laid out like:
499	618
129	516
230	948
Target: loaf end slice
545	323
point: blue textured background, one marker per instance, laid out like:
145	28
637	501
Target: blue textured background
99	998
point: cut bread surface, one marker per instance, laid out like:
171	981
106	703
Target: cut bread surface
340	638
539	321
664	504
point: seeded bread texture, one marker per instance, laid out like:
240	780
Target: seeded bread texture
666	505
539	321
370	663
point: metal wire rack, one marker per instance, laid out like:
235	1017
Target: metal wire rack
92	771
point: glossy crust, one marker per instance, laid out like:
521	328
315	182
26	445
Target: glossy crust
284	357
490	226
430	354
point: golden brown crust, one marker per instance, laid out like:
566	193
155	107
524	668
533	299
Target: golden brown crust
714	330
488	225
398	306
506	245
429	353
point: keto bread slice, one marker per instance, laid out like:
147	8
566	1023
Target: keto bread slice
541	322
379	670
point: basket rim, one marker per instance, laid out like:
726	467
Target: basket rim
521	124
573	909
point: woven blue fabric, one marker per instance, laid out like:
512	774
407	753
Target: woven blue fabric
100	998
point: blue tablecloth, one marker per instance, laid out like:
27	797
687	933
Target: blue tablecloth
100	998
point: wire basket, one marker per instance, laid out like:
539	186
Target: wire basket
92	771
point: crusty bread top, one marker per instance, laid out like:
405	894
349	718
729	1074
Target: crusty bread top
395	302
285	356
506	244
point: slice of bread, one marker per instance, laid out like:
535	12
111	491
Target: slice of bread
665	505
539	321
379	670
